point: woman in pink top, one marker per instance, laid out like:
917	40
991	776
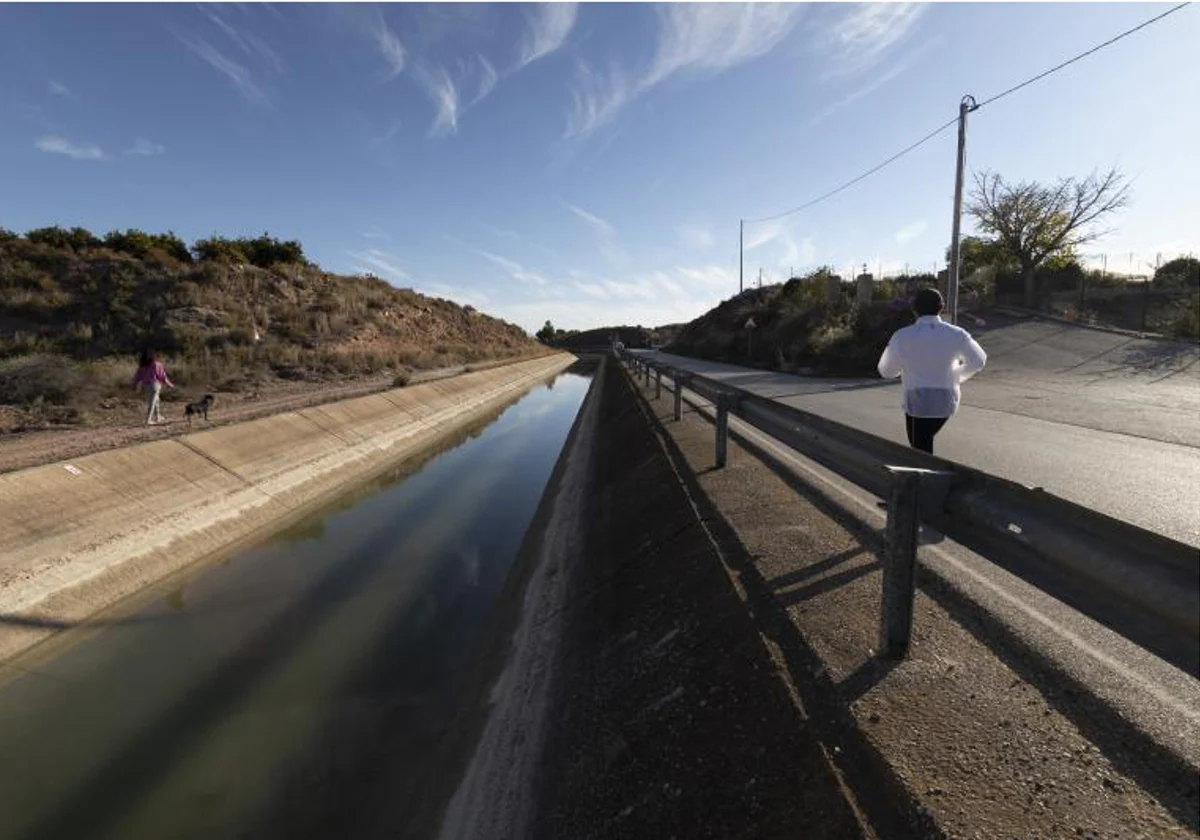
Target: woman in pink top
151	376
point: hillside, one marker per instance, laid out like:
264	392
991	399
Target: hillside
798	327
228	316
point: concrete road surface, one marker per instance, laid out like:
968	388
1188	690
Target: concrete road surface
1104	419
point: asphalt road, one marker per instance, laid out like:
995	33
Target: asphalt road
1107	420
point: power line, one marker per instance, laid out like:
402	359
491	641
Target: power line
943	127
854	181
1071	61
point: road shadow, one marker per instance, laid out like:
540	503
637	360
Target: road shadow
1160	771
885	801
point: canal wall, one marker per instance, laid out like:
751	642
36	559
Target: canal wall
78	536
636	697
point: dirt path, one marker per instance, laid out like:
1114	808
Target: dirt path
124	425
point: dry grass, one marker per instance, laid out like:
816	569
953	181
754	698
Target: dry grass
71	325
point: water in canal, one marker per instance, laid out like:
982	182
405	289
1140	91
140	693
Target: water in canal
311	687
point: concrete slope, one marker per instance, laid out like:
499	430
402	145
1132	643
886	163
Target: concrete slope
1102	419
76	537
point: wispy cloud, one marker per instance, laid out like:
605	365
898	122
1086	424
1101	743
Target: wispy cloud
603	226
596	98
249	43
382	263
865	33
717	36
911	231
145	148
239	75
549	26
375	232
487	78
387	43
441	90
692	37
59	89
514	268
694	238
62	146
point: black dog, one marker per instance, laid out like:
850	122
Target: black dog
200	407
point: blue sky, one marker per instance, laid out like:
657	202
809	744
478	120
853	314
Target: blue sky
589	163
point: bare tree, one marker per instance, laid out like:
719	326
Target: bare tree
1032	221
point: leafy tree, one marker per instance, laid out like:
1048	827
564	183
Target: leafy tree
263	251
546	333
1032	222
139	243
76	238
1178	273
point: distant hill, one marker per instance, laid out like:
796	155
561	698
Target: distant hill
798	327
632	337
221	311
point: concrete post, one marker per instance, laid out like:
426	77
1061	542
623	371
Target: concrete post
658	384
865	290
678	397
722	429
899	564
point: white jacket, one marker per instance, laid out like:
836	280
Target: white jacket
933	359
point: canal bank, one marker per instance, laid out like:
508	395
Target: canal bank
78	537
634	696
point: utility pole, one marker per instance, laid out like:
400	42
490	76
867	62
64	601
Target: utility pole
741	240
966	106
760	277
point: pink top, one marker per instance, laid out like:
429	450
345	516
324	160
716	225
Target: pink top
150	374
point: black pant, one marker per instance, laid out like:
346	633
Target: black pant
921	431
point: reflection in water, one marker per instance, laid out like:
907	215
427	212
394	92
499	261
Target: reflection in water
303	690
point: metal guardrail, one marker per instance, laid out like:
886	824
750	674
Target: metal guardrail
1148	585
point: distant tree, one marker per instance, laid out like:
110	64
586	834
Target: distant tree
1032	222
218	249
1178	273
546	333
76	238
138	243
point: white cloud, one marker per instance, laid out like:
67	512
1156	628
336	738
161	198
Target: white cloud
694	238
594	290
382	263
911	231
59	89
241	77
549	26
717	36
511	267
604	227
865	33
62	146
388	44
487	78
248	43
145	148
374	232
441	90
705	37
596	99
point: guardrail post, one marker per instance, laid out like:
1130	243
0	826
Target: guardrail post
658	384
899	564
678	397
722	429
